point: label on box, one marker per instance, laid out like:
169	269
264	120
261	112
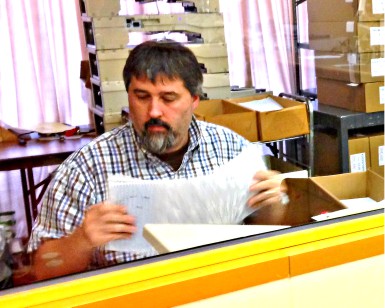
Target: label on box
378	67
350	26
358	162
377	36
378	6
382	95
381	155
352	58
348	1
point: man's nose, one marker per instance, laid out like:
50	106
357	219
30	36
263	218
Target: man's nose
155	109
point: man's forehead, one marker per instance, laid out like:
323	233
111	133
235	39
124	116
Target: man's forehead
170	85
160	78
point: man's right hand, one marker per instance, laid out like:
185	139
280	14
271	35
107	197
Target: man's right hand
105	222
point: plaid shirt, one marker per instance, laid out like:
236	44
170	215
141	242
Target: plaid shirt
81	180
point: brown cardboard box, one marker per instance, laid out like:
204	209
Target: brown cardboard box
363	97
376	143
286	168
353	185
359	153
350	67
241	120
346	37
341	10
306	199
6	135
288	122
327	155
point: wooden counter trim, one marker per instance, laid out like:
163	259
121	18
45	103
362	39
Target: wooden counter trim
214	268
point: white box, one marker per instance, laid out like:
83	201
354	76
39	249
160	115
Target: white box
114	96
213	56
105	32
109	96
206	6
209	26
109	63
99	8
216	86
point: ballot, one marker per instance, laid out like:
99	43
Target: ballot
217	198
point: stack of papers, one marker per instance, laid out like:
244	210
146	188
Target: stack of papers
218	198
263	105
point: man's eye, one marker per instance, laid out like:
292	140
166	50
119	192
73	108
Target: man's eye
142	96
169	99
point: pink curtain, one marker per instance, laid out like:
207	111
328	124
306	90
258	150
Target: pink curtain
40	54
259	34
40	63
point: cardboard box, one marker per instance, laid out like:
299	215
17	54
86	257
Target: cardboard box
288	122
353	185
376	143
306	199
287	169
357	37
359	153
363	97
342	10
6	135
327	153
350	67
241	120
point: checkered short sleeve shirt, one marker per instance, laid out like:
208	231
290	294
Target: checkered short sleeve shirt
81	180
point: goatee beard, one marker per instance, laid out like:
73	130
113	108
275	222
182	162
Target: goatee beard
158	142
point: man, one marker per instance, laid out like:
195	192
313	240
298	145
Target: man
162	140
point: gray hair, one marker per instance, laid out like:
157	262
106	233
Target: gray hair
164	58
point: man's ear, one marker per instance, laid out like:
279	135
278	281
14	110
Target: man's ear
196	100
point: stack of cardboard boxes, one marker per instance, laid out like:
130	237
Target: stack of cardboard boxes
348	39
264	126
108	42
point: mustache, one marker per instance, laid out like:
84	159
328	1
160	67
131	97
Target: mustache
156	122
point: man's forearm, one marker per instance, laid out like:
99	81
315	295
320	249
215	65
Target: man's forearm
62	256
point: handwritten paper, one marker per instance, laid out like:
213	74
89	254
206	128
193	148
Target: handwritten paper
218	198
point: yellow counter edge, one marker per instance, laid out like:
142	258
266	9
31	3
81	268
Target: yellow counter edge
271	258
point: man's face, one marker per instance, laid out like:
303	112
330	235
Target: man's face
161	113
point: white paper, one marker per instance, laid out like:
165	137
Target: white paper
382	95
378	67
358	162
263	105
381	155
350	25
354	206
378	6
377	36
219	198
